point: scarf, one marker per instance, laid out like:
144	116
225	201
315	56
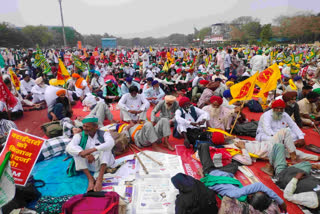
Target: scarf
71	171
78	83
210	180
113	90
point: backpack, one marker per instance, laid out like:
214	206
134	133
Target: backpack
254	106
193	113
93	203
246	129
121	143
194	197
52	129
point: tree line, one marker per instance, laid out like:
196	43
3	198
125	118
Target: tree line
300	28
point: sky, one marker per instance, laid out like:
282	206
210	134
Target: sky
144	18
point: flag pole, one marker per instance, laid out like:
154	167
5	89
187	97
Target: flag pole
236	120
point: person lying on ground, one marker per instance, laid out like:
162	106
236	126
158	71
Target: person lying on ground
222	181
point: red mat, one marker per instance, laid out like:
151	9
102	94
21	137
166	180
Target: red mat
34	119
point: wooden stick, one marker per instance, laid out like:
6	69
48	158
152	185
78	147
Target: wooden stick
234	124
316	128
137	148
140	161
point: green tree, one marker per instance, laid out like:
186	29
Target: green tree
206	31
252	30
266	32
38	34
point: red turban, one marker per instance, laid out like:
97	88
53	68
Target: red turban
75	75
179	70
183	101
217	138
216	99
61	92
278	104
203	82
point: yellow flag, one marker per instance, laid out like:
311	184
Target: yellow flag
243	90
292	85
219	130
265	76
268	80
165	67
63	69
14	79
150	49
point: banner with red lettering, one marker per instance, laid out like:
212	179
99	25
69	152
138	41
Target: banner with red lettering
25	150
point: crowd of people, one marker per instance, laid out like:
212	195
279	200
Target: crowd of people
188	90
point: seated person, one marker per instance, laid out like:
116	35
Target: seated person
292	108
300	187
308	110
182	81
275	119
96	82
133	106
127	84
207	94
111	92
91	151
198	90
38	91
81	86
303	94
189	119
263	149
220	116
101	111
148	85
26	85
61	107
222	181
155	93
5	127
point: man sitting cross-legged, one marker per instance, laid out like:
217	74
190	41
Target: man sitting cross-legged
91	151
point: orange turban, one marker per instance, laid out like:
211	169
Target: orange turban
75	75
61	92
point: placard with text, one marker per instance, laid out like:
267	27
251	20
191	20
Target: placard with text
25	149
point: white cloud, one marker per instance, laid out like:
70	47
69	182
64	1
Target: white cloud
106	2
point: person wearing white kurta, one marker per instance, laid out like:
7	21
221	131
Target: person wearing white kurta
96	155
264	148
220	118
38	92
26	85
268	126
133	102
145	59
154	94
85	89
185	123
257	63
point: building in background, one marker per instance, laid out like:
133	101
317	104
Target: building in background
109	42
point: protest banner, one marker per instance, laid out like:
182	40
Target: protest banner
25	149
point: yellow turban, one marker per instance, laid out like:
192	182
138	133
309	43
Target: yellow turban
229	83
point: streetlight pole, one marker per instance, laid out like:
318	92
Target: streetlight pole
63	33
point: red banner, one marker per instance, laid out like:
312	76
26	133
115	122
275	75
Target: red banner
25	149
6	96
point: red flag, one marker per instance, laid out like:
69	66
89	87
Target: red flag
6	96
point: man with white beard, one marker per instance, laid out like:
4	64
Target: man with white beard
154	94
275	119
220	116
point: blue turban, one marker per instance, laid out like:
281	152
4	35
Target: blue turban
218	79
154	82
227	93
233	77
129	79
296	78
150	79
